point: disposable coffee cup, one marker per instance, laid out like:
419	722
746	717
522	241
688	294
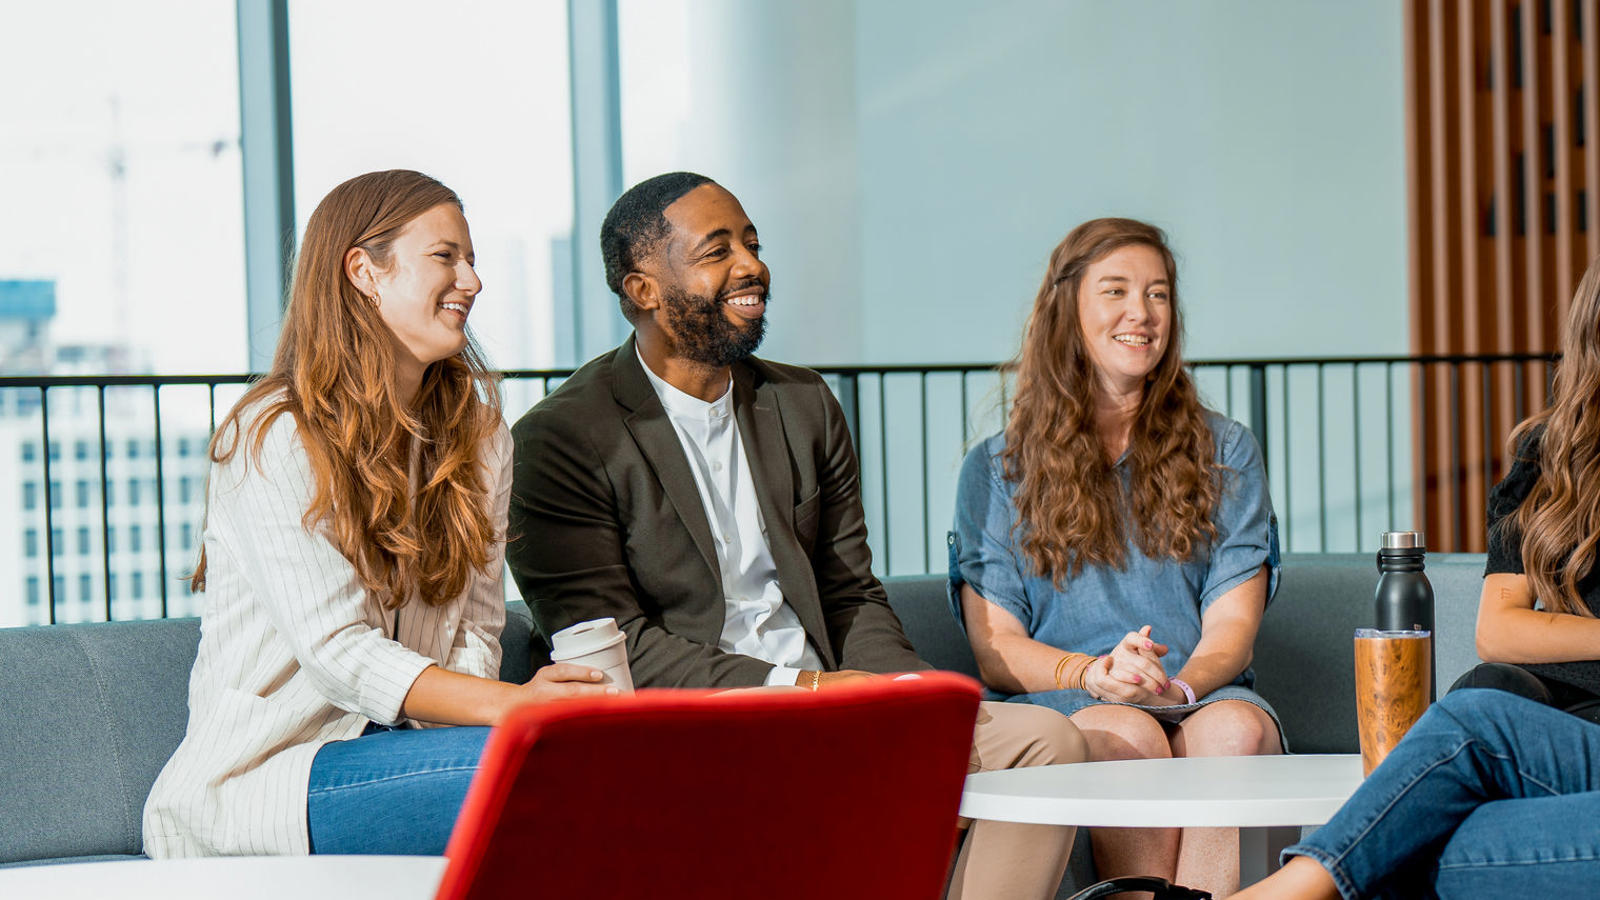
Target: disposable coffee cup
598	644
1394	671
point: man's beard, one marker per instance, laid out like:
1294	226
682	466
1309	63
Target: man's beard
703	333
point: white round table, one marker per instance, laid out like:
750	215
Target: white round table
233	877
1268	798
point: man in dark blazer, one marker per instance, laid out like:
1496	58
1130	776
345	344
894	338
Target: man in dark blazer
709	501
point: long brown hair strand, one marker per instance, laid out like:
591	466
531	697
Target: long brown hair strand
1559	521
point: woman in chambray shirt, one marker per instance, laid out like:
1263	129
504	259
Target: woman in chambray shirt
1114	548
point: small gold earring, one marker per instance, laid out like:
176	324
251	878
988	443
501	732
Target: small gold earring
373	299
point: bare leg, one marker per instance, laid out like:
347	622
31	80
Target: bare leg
1208	858
1120	732
1302	878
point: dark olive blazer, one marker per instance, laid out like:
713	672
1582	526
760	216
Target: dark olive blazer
606	521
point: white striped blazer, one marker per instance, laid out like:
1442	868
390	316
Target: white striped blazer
294	653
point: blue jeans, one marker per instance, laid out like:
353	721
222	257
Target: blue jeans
391	791
1488	795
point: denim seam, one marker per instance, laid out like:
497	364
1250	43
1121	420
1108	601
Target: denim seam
1502	864
1529	777
328	789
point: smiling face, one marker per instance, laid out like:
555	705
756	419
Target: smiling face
712	284
426	290
1125	314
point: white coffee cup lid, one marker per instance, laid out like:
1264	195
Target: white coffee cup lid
584	638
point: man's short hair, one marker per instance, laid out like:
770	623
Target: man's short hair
636	226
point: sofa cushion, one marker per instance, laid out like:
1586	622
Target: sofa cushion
515	667
924	610
91	714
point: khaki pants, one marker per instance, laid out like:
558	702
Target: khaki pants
1007	860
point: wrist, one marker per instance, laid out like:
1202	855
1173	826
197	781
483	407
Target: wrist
1182	688
500	701
1089	676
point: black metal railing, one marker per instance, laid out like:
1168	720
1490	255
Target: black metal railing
1348	444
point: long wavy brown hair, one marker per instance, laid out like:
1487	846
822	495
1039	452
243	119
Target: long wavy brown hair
1072	509
1559	521
334	371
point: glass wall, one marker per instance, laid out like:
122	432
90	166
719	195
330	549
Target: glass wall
119	148
475	95
911	165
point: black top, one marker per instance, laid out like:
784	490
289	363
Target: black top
1505	556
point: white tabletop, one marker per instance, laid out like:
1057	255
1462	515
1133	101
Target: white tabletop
233	877
1228	791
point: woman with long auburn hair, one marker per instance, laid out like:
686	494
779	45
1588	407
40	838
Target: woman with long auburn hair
1114	547
1538	630
352	556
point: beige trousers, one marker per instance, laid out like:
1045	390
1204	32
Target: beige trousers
1007	860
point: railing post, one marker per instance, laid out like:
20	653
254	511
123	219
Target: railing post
267	161
850	401
1258	411
49	501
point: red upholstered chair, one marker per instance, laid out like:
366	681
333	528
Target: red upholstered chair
850	792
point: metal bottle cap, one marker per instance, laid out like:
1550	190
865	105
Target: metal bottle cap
1403	540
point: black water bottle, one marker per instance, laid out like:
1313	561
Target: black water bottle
1404	599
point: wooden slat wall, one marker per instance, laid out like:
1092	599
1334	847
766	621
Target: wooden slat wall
1501	159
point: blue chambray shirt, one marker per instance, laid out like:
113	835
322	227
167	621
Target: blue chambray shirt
1095	609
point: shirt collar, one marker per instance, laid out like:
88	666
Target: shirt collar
678	403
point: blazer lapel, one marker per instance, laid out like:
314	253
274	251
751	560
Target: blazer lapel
766	447
658	441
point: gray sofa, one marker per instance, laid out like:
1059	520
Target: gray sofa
90	713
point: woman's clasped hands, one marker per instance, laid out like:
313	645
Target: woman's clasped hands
1131	672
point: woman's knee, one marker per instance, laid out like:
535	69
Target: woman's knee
1229	728
1121	732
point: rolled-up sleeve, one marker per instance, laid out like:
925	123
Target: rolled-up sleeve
1247	529
982	551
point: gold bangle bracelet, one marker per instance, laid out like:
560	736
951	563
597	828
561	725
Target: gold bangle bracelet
1061	664
1074	678
1083	673
816	679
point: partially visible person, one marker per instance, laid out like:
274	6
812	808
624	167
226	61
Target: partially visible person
1489	795
710	502
1114	547
352	555
1537	618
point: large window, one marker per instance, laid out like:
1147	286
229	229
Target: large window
119	143
475	95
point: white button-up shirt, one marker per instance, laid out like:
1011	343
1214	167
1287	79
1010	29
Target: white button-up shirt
756	620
